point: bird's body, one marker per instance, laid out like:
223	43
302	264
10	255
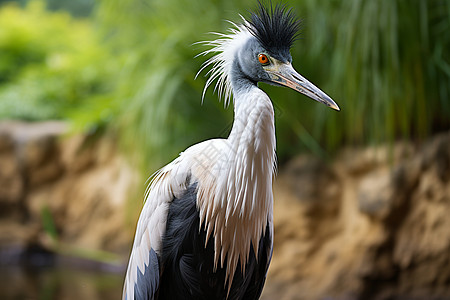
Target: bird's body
206	229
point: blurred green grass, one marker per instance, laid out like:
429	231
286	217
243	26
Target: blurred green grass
128	68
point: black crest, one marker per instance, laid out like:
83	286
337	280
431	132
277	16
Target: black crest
276	28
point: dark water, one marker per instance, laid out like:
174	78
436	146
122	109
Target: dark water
59	283
44	276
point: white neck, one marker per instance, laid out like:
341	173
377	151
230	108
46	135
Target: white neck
237	209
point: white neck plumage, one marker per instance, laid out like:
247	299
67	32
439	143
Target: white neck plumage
236	210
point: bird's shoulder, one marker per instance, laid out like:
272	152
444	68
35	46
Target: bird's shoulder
167	184
171	182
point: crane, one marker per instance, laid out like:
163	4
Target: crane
206	228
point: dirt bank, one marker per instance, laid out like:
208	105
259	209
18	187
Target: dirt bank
371	224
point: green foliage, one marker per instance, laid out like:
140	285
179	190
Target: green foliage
384	62
161	101
48	223
51	65
79	8
76	8
131	69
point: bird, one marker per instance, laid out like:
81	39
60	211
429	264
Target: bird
206	228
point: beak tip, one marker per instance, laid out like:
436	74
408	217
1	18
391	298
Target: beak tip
332	104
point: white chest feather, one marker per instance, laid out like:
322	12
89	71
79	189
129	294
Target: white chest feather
235	197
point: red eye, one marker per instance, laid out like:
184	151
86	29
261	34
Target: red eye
263	59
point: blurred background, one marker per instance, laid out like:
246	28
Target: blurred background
97	95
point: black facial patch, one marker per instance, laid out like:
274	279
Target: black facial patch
276	28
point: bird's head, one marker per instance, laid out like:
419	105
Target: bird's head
259	50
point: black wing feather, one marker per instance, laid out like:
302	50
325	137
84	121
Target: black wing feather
188	267
147	283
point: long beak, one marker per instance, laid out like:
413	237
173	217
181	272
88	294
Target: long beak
285	74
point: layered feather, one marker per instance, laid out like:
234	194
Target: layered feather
235	187
224	49
167	183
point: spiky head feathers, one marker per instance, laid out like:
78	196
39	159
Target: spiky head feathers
276	28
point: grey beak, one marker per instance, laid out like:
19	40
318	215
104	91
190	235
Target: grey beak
287	76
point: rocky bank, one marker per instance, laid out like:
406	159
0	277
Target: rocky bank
372	224
70	187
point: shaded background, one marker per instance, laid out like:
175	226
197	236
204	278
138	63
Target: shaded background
118	76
